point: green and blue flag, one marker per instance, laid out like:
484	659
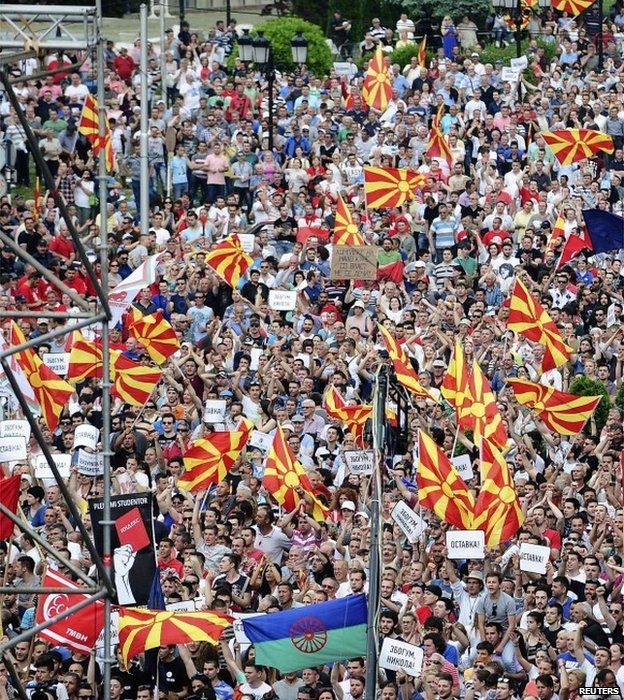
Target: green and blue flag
310	636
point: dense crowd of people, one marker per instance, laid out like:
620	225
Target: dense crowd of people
487	629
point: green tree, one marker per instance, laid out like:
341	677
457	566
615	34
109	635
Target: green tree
619	399
477	10
583	386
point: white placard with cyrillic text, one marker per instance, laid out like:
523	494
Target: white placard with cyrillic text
58	362
463	466
412	524
214	410
282	300
15	428
86	435
465	544
360	461
397	655
13	449
533	558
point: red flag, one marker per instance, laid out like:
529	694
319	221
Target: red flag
437	147
575	244
9	496
422	53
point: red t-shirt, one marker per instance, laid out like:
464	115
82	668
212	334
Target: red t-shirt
63	247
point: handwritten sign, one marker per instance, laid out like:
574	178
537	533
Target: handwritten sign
357	262
463	466
62	462
360	461
214	410
465	544
260	440
521	62
57	361
89	464
12	449
533	558
412	524
397	655
282	300
15	428
510	75
86	435
248	241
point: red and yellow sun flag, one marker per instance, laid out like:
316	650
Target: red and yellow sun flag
141	629
157	336
573	7
438	115
557	232
403	367
390	187
455	386
85	359
422	52
563	413
377	87
51	392
210	459
229	260
353	417
497	511
480	412
89	126
437	147
345	231
133	382
529	318
570	145
284	475
440	487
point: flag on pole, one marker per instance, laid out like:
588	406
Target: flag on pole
440	487
133	382
557	232
422	52
345	231
311	636
377	88
89	126
37	205
480	412
390	187
572	145
354	417
575	244
455	386
529	318
9	497
85	359
156	335
573	7
437	147
121	296
229	260
22	382
563	413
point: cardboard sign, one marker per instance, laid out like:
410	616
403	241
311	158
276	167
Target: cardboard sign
533	558
463	465
412	524
397	655
182	606
344	68
357	262
522	62
465	544
15	428
360	461
237	626
89	464
510	75
281	300
86	435
13	449
248	241
131	530
62	462
57	361
214	410
262	441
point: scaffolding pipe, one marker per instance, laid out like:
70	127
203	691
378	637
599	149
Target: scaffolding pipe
144	184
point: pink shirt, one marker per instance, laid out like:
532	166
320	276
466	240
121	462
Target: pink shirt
219	163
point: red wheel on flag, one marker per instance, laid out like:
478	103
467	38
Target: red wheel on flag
308	635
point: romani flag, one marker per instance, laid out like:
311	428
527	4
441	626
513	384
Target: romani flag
497	511
422	52
572	145
403	367
210	459
52	392
573	7
529	318
440	487
438	147
563	413
345	231
229	260
377	88
390	187
141	629
455	386
89	126
284	477
156	335
133	382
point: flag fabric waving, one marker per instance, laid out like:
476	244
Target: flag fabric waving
354	417
573	7
310	636
156	334
133	382
85	359
563	413
437	147
606	230
141	629
571	145
9	497
284	475
89	126
121	296
557	232
345	231
480	411
390	187
377	82
22	382
440	487
402	366
422	52
210	459
529	318
455	387
229	260
497	511
575	244
51	392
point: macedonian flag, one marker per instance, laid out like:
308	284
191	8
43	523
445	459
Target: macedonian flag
156	335
353	417
210	459
571	145
89	126
390	187
563	413
497	511
284	478
133	382
455	386
141	629
51	392
422	52
440	487
229	260
573	7
345	231
377	88
85	359
529	318
480	412
437	147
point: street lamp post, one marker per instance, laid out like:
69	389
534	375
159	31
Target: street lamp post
299	48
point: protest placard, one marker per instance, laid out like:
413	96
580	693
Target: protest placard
463	465
397	655
360	461
533	558
465	544
282	300
214	410
412	524
353	262
15	428
58	362
13	448
62	462
86	435
88	463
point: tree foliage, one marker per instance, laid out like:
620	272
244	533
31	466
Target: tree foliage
477	10
583	386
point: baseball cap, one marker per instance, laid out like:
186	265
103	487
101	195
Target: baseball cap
348	505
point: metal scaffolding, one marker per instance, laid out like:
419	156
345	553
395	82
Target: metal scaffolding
28	31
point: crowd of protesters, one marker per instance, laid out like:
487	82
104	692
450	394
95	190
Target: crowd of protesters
488	630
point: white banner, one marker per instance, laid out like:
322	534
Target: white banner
58	362
510	75
533	558
237	626
15	428
13	449
282	300
465	544
89	464
521	62
463	466
214	410
397	655
360	461
247	241
62	462
260	440
412	524
86	435
120	298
